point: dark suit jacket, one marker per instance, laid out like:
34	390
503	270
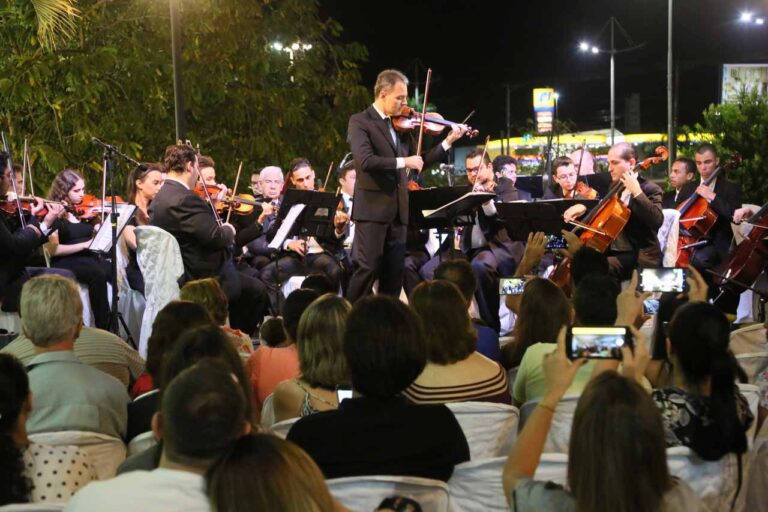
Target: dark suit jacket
16	246
505	188
727	200
668	199
644	223
381	190
187	217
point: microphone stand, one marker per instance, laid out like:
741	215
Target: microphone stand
115	317
546	177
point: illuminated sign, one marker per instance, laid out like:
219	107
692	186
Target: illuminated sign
543	99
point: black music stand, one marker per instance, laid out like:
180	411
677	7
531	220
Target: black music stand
531	183
521	219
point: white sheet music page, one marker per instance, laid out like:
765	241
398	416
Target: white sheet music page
286	226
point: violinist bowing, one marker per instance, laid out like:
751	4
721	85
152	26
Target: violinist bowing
637	244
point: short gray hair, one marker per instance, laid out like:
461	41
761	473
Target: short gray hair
386	80
270	169
50	309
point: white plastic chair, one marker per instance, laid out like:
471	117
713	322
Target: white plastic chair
752	394
364	493
106	452
33	507
755	490
11	322
748	339
490	428
753	364
141	443
560	432
268	412
161	265
553	467
715	482
281	428
668	234
476	485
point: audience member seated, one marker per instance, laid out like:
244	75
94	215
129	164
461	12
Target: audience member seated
205	342
209	293
703	409
32	472
272	332
594	304
94	347
203	413
170	323
544	310
617	458
263	472
460	273
321	359
270	365
69	395
454	372
377	432
321	283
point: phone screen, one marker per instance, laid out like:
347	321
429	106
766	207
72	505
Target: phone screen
651	306
511	285
556	242
343	394
663	280
597	342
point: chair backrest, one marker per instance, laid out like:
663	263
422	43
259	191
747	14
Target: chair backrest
141	443
715	482
281	428
476	485
753	364
161	265
364	493
106	452
755	493
553	467
560	432
752	394
668	234
268	412
490	428
33	507
749	339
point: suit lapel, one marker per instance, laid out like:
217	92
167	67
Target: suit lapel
383	127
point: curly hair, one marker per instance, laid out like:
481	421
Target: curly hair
62	184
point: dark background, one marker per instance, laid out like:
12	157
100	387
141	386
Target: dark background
475	48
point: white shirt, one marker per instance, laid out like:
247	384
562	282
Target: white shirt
348	204
161	490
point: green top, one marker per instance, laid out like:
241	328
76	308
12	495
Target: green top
530	383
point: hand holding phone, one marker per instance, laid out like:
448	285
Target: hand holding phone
511	285
663	280
597	342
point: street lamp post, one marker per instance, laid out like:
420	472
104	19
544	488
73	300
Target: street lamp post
291	49
178	94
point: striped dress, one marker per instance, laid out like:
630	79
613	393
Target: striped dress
493	389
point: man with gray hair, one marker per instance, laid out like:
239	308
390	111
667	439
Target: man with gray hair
380	212
67	393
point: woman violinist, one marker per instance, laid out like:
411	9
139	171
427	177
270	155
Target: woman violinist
143	184
69	246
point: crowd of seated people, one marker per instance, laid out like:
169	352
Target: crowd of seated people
201	401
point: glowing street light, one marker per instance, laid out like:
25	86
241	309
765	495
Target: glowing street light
291	49
746	17
751	18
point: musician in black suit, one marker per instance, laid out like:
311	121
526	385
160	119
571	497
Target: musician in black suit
681	178
205	244
18	245
505	169
380	210
637	244
486	243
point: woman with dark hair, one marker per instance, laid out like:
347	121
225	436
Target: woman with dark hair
32	472
263	472
68	247
544	310
617	460
455	371
321	360
143	184
702	408
385	350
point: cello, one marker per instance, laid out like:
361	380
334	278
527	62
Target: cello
749	258
697	218
605	221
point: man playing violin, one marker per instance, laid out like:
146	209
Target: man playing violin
505	170
18	245
637	244
382	157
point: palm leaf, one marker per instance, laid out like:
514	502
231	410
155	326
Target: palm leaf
56	21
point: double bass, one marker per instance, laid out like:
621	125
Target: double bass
605	221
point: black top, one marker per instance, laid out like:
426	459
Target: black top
16	247
366	436
140	412
71	233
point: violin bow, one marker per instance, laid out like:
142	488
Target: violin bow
482	162
24	165
424	112
327	175
7	149
234	192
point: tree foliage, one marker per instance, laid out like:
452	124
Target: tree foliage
113	79
740	127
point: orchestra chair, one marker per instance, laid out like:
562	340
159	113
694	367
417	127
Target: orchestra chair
268	412
367	492
141	442
161	265
281	428
490	428
750	347
105	452
553	467
668	234
559	436
477	485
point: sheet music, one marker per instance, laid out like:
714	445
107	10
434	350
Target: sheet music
285	227
440	211
102	242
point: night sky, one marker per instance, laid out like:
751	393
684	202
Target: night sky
475	47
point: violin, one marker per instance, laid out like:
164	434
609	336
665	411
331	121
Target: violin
207	190
409	120
241	204
9	208
91	207
697	218
585	191
605	222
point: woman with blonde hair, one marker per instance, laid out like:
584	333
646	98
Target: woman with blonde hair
321	359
